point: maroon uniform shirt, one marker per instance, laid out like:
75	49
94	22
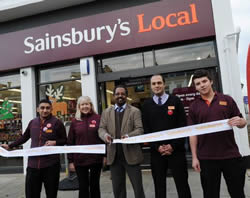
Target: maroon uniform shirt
40	132
220	145
85	132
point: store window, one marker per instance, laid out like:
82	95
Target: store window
127	62
184	53
10	108
177	83
62	86
152	58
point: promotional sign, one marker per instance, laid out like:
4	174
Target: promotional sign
187	95
150	24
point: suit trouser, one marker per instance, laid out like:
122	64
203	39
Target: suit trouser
233	170
89	180
118	173
35	177
178	164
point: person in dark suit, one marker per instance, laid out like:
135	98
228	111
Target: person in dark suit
122	121
163	112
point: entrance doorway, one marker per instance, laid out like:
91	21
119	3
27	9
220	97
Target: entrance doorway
175	63
177	83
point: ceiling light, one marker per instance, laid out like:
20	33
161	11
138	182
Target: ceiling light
68	98
190	80
15	90
12	101
109	91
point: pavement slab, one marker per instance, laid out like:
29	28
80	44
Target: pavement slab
12	186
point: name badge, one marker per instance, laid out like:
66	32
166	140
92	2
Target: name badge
48	131
92	125
171	107
223	103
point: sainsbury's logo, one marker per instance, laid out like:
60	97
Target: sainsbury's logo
107	33
75	37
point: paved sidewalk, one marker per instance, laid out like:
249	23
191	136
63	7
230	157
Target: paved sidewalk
12	186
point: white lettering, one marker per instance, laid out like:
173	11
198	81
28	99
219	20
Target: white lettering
98	32
56	41
76	37
125	28
47	41
66	39
92	35
28	44
111	32
39	45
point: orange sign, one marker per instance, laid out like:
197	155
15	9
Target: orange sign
172	20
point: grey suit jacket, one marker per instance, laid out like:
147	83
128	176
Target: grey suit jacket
131	126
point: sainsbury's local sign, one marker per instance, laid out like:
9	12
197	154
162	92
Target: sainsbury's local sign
151	24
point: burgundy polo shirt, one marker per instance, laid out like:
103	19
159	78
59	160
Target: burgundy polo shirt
219	145
40	132
85	132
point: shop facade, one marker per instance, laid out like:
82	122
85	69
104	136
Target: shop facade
88	49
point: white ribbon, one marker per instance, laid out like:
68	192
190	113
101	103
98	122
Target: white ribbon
48	150
199	129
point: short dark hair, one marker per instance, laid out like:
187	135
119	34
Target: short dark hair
45	101
163	79
121	86
201	73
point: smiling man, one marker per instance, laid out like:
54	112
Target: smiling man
163	112
122	121
216	153
45	130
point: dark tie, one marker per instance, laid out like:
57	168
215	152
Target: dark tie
119	109
159	101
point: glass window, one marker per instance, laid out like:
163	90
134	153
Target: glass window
64	94
185	53
10	81
177	83
171	55
61	73
127	62
10	108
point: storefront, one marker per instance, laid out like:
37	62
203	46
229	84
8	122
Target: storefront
87	50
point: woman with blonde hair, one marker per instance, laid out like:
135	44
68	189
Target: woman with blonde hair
84	131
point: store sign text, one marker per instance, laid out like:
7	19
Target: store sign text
109	32
75	37
172	20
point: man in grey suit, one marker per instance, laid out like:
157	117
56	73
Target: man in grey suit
122	121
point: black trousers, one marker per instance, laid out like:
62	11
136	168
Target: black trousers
89	180
233	170
35	177
178	164
118	173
